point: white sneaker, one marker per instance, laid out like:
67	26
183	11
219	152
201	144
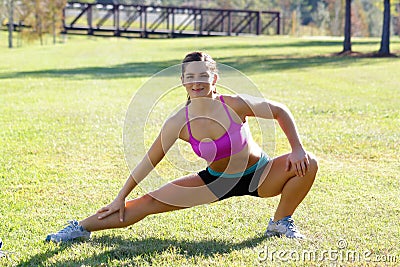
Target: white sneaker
71	232
283	226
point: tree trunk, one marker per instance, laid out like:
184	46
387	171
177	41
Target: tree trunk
53	23
347	28
10	23
385	41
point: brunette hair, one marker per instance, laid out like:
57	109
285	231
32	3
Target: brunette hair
199	56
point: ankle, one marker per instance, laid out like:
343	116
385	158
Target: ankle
278	218
83	226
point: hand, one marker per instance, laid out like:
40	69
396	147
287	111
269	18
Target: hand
299	161
117	205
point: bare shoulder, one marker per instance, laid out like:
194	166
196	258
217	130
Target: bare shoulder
242	104
256	106
176	120
235	102
176	125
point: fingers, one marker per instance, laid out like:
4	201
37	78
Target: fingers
300	166
303	167
298	170
103	215
104	212
103	209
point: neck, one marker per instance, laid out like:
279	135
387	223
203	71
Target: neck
203	105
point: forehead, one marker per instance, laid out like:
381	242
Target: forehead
195	67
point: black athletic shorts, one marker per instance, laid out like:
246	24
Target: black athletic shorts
228	185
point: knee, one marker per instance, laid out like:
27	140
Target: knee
142	205
313	163
147	199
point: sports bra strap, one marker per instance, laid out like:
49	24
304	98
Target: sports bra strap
188	122
226	108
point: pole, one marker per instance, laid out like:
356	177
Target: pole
10	23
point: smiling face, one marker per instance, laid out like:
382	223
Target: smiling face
198	79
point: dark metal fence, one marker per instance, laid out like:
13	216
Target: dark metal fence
169	21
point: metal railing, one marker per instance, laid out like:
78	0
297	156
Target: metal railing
171	21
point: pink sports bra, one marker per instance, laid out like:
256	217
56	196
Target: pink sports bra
230	143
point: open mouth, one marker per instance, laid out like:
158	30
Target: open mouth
197	90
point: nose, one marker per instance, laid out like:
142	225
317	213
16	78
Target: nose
196	85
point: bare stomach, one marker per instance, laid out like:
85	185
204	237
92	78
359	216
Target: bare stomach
240	161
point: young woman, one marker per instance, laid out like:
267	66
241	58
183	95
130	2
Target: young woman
215	126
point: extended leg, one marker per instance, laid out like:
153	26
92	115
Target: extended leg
185	192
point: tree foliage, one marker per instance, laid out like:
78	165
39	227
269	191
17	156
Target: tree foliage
44	16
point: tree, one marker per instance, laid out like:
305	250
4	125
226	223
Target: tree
335	8
43	16
54	16
10	7
347	28
385	41
321	16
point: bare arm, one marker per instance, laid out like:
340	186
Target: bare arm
166	138
260	107
286	121
164	141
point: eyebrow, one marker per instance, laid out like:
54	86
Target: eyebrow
196	73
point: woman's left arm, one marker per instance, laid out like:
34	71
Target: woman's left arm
259	107
298	159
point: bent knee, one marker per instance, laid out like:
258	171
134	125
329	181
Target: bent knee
313	163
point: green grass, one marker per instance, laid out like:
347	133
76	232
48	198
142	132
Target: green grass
62	157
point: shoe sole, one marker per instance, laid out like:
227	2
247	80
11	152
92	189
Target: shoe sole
81	238
272	234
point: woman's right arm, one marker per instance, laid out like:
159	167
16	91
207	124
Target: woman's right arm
166	138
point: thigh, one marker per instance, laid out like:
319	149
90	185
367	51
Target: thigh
184	192
274	177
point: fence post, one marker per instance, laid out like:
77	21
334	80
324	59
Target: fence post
145	23
229	23
278	27
201	23
173	23
116	20
259	24
10	23
90	19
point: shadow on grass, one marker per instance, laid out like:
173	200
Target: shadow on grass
143	250
251	64
299	44
127	70
262	64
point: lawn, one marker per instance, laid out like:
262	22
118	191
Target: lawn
62	118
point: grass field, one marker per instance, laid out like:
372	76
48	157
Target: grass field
62	156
